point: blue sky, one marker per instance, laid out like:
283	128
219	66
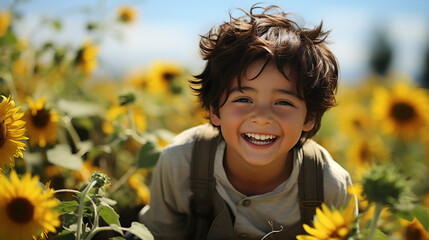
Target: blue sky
169	30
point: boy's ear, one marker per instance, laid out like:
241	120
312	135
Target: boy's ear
214	118
309	124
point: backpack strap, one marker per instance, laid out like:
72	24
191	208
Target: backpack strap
310	183
202	181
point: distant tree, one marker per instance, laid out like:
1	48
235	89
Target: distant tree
381	54
425	68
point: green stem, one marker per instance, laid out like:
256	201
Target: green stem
74	191
80	212
99	229
10	83
92	202
131	118
72	131
374	220
122	180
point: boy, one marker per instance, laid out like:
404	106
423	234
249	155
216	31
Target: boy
266	85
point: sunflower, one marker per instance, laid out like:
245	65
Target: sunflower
118	115
414	230
403	111
137	183
26	209
354	119
127	14
161	76
86	57
330	224
12	131
5	19
363	152
363	204
41	122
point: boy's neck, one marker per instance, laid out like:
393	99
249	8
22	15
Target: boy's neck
255	180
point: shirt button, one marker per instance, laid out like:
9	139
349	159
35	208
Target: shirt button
246	203
243	236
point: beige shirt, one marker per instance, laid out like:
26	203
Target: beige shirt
255	216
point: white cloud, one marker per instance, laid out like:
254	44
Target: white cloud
144	43
410	36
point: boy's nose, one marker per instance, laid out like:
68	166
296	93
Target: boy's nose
262	115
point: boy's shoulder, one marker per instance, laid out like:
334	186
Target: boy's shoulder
333	172
180	147
326	158
336	179
184	138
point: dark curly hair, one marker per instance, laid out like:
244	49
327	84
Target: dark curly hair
231	47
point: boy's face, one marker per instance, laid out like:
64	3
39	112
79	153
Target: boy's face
261	123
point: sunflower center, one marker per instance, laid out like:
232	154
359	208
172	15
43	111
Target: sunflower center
365	153
41	118
357	123
3	133
402	112
169	76
20	210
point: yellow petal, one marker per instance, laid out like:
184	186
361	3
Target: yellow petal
305	237
325	221
315	232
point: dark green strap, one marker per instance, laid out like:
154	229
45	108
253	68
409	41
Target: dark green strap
202	181
310	182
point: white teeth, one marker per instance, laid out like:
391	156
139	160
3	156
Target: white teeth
260	139
259	136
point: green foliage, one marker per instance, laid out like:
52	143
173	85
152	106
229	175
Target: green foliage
383	184
140	231
422	215
61	155
109	215
148	155
92	206
67	207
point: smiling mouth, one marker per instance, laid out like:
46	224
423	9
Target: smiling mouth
259	139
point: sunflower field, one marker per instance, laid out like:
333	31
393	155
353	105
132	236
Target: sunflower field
77	149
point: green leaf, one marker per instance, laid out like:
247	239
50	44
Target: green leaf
8	39
379	235
148	154
140	231
66	207
61	156
65	235
57	25
109	215
407	215
422	215
107	201
117	238
79	109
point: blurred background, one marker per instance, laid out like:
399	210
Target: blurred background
171	29
103	86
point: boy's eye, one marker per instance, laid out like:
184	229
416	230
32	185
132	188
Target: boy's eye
243	100
285	103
